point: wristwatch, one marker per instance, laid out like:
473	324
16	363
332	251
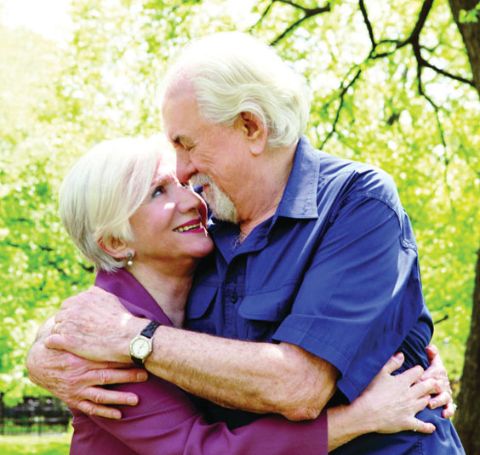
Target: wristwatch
141	346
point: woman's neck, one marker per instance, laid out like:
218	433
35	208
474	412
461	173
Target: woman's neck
169	288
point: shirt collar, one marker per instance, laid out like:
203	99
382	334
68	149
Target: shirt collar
299	199
132	294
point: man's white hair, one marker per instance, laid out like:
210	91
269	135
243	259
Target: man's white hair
105	188
233	73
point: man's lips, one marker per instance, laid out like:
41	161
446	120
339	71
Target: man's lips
192	226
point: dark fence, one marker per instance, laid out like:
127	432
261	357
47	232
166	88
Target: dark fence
34	415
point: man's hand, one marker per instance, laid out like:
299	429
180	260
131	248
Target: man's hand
94	325
438	372
76	381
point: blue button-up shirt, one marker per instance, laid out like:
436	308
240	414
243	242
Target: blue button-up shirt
335	272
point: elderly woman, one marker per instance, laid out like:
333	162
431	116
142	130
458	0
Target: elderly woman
126	211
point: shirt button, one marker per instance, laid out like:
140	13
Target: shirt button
234	297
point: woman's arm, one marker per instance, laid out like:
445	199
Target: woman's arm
165	420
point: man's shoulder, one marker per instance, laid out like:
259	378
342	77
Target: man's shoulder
358	179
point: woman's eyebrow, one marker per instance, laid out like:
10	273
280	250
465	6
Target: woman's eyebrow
163	179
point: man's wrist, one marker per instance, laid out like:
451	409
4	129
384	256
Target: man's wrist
134	326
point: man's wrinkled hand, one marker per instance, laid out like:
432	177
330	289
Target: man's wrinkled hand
77	381
94	325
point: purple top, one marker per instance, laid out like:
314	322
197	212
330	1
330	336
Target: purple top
166	421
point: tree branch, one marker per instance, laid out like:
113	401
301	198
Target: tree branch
343	91
308	13
438	70
368	24
263	15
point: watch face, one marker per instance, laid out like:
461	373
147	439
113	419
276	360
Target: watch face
140	347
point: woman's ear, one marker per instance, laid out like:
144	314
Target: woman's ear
116	248
255	131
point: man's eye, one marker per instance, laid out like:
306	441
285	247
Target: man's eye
159	190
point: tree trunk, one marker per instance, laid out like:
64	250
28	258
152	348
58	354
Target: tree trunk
467	420
471	36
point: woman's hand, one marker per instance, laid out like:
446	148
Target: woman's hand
389	404
437	371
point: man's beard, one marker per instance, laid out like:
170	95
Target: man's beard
219	203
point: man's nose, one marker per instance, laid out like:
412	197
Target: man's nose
185	168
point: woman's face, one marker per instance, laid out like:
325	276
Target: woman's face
171	222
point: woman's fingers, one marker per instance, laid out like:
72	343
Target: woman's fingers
442	399
412	375
427	387
420	426
393	363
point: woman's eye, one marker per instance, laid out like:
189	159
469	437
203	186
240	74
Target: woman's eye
159	190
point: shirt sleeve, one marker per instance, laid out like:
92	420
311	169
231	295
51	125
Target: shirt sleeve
361	294
165	421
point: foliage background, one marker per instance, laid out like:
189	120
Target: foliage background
56	101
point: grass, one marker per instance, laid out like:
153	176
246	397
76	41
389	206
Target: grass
58	444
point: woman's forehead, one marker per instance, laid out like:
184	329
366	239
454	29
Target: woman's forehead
166	167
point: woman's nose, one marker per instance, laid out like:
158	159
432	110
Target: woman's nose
188	200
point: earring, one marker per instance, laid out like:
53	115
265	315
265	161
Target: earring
130	256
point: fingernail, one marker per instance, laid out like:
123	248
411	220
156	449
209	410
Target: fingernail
132	401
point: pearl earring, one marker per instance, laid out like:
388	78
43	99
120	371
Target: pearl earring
130	258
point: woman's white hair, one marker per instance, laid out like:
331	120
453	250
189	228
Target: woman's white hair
105	188
233	72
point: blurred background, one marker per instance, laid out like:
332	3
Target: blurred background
395	84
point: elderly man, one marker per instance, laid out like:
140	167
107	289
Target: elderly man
313	253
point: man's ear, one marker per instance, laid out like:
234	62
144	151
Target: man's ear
114	247
255	131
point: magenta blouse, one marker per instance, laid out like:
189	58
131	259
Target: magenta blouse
166	422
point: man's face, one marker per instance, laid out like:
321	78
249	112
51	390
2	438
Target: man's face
208	154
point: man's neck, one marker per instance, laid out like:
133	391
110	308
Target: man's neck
260	198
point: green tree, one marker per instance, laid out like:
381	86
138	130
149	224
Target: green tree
467	17
391	84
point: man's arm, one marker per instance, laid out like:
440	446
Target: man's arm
258	377
266	378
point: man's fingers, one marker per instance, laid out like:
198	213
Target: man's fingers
57	341
394	363
87	407
115	376
98	395
422	427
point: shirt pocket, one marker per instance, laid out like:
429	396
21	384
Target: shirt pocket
261	314
199	314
